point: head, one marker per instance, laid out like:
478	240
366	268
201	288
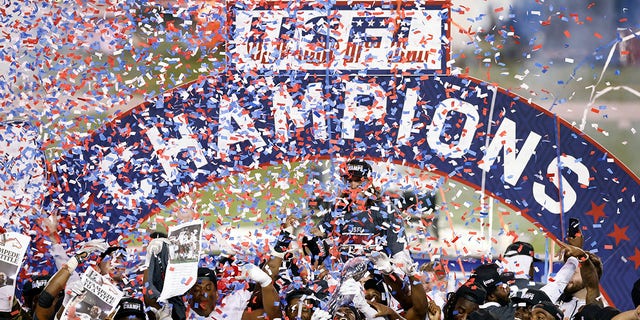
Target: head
112	262
519	258
357	175
593	311
130	309
32	289
3	278
436	276
525	299
546	311
203	296
346	313
496	284
300	304
374	290
576	284
464	301
94	312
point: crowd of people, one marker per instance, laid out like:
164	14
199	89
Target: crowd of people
354	264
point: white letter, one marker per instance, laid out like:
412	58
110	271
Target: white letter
408	111
569	197
167	149
506	138
437	126
231	111
131	193
368	113
312	102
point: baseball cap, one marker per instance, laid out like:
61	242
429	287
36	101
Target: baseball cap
472	292
548	306
357	168
530	297
35	285
521	248
593	311
207	273
487	276
130	307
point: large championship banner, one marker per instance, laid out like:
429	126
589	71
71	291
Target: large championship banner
353	81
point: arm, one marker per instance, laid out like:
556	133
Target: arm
628	315
591	282
48	299
45	308
554	288
385	311
270	298
421	303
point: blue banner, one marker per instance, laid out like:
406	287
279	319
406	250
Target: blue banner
463	128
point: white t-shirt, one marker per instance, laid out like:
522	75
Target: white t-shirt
6	298
231	307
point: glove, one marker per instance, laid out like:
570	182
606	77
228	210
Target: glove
256	274
92	246
403	261
163	313
84	250
381	262
352	288
319	314
155	246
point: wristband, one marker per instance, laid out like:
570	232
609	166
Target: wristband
72	264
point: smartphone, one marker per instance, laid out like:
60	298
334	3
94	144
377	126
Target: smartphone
574	228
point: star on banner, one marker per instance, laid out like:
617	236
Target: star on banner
619	233
597	212
636	258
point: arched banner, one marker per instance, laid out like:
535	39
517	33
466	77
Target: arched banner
365	80
461	127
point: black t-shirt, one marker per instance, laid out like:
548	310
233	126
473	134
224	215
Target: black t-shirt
363	228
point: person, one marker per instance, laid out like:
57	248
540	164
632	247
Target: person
524	300
482	314
546	311
464	301
583	288
519	258
130	309
435	280
31	292
302	304
497	286
412	298
628	315
110	264
202	297
360	220
594	311
6	293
